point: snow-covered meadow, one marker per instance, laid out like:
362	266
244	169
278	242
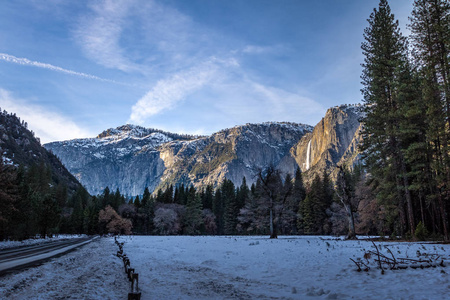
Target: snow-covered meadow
206	267
184	267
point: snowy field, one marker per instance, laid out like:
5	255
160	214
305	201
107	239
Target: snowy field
180	267
287	268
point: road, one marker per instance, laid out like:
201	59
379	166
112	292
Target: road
28	256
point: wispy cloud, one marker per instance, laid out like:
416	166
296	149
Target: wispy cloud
114	33
256	49
99	34
27	62
168	92
48	126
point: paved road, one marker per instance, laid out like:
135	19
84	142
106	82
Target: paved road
14	259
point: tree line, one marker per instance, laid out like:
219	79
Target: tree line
33	205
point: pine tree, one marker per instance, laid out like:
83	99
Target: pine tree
106	197
193	216
430	29
314	208
207	197
230	207
137	202
298	196
218	210
8	197
385	54
243	194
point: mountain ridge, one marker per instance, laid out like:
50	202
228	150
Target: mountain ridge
131	157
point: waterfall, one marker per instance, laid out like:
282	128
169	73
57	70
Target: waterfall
308	152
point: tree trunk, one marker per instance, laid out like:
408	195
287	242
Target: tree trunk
351	223
408	200
273	231
443	215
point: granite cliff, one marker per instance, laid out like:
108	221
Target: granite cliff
333	142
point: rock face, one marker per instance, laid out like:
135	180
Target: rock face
131	157
124	158
232	154
334	141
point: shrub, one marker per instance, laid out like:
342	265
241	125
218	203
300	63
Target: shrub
421	232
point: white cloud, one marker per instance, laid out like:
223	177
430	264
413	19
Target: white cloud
144	36
48	126
168	92
27	62
255	49
99	34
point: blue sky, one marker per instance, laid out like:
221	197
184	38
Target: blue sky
74	68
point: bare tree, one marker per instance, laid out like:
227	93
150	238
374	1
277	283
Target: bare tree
166	221
345	194
273	197
113	223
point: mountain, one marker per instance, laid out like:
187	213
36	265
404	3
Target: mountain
19	147
231	153
125	157
333	142
132	157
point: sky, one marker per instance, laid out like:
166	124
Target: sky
72	69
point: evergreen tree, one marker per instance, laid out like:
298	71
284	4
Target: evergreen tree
193	216
314	209
77	216
207	197
8	197
218	210
287	208
430	29
230	207
137	202
159	196
243	194
298	196
167	196
385	54
105	197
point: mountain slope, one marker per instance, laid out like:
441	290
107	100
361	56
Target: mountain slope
19	147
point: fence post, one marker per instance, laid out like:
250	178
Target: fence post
133	277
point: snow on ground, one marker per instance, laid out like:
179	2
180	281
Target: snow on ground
185	267
36	241
91	272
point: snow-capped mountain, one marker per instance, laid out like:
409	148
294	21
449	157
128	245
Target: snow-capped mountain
125	157
131	158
